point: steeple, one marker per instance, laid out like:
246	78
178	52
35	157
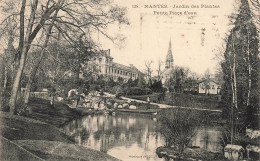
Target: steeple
169	57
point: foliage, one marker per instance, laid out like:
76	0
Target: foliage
170	84
138	91
75	22
111	83
178	126
241	67
120	80
141	82
157	86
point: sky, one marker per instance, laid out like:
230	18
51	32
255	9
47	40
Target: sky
195	39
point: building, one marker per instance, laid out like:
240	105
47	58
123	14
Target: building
208	86
109	69
168	71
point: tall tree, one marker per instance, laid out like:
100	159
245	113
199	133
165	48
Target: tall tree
149	71
241	68
159	70
89	17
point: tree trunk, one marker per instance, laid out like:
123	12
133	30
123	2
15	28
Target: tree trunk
16	83
2	66
234	90
30	81
34	71
249	71
5	77
26	46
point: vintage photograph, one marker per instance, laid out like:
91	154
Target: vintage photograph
130	80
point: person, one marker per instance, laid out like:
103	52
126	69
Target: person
52	94
148	99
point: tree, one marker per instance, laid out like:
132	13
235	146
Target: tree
120	80
180	75
149	71
35	68
157	86
141	81
240	69
256	12
206	81
169	84
159	70
71	17
178	126
8	33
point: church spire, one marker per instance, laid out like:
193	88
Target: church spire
170	46
169	57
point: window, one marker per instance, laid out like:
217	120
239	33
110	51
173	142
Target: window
213	87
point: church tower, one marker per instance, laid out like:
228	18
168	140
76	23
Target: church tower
169	57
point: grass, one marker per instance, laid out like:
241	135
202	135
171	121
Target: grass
22	128
153	97
57	115
183	100
10	151
53	150
38	132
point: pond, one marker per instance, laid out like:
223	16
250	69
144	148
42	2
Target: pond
131	137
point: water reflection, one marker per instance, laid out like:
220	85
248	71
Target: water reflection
130	137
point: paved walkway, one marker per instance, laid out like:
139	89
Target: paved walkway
164	105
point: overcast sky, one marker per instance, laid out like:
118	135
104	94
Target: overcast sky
148	37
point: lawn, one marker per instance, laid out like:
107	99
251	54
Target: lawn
38	132
183	100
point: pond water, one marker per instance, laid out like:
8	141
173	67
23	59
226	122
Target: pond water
131	137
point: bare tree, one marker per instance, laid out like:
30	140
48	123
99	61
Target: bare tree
159	70
149	71
66	16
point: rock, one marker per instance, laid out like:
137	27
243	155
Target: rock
59	99
115	105
95	106
102	106
132	107
45	90
119	106
233	152
252	134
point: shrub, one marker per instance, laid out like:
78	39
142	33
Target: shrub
138	91
5	108
178	126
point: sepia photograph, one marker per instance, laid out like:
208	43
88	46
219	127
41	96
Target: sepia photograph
129	80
